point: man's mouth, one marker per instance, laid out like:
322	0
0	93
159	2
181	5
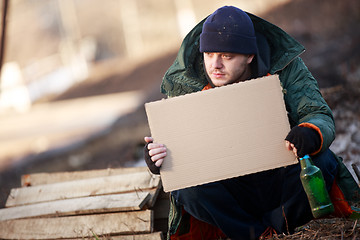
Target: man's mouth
218	74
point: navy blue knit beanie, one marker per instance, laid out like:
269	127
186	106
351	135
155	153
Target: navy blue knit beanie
228	29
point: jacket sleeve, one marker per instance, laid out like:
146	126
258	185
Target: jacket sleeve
304	102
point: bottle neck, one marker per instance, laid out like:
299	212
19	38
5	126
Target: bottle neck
305	161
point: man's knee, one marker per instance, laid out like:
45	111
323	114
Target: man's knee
198	193
186	195
327	163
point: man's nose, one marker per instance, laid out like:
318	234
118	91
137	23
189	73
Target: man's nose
217	62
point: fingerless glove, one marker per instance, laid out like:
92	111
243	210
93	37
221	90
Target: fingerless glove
306	140
151	165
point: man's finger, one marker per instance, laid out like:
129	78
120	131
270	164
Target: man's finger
155	151
148	139
158	163
155	145
287	144
158	157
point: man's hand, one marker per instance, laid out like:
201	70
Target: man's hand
302	141
154	154
291	147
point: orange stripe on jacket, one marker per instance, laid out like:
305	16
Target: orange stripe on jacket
312	126
208	86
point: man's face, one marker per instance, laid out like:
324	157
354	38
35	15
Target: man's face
227	68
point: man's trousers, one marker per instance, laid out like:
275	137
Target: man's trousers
243	207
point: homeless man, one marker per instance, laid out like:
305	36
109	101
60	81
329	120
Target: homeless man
231	46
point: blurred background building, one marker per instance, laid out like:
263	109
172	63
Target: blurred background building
51	46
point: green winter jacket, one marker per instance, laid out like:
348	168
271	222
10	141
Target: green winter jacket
303	99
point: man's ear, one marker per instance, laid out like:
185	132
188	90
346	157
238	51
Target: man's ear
250	58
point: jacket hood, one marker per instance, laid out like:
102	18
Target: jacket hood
187	74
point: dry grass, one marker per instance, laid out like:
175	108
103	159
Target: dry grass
334	228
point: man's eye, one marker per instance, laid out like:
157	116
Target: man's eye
226	56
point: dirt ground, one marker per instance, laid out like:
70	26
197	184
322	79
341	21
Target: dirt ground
328	29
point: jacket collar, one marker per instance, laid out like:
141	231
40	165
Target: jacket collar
284	48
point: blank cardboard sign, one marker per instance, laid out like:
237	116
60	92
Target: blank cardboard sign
221	133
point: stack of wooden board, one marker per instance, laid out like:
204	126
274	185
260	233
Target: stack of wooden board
100	204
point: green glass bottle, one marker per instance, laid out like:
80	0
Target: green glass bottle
315	188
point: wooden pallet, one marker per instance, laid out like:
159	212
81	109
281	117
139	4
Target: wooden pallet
125	203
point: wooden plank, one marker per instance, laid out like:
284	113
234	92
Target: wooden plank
78	226
48	178
87	205
82	188
150	236
154	193
147	236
